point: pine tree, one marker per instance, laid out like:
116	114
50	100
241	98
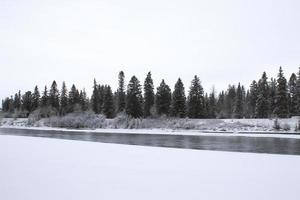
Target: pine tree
63	99
253	98
148	95
27	103
96	107
83	101
179	100
163	99
281	109
196	99
292	95
108	104
74	99
17	101
212	107
45	98
121	96
238	103
262	103
220	107
134	98
54	96
272	95
230	101
36	98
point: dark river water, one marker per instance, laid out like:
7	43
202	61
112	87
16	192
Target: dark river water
270	145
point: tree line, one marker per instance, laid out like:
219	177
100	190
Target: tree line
265	98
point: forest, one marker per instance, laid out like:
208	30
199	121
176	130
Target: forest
264	98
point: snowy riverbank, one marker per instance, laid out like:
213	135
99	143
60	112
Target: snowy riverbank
39	168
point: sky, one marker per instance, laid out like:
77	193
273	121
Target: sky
223	42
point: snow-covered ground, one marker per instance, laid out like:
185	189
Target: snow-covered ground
39	168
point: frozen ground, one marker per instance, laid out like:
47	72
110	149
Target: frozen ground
39	168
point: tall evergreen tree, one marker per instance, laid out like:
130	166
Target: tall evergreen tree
74	99
96	107
134	98
196	99
36	98
292	95
238	103
262	103
83	100
148	95
212	107
220	107
179	100
230	101
298	92
253	94
63	99
45	98
281	109
272	95
27	103
121	96
54	96
163	99
108	104
17	101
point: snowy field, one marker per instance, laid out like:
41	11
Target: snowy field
47	169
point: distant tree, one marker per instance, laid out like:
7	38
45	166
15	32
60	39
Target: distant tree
83	100
45	98
74	99
298	92
292	86
212	107
230	96
36	98
8	105
179	100
121	96
54	96
238	103
134	98
163	99
63	99
96	105
148	95
108	105
27	103
220	107
253	95
281	109
17	101
262	103
196	99
272	95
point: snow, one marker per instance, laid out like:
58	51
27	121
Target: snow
40	168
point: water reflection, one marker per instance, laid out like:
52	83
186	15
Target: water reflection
221	143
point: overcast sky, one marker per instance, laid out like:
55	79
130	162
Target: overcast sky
78	40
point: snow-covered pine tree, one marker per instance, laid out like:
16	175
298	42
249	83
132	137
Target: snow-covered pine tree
272	95
36	98
292	95
238	103
74	99
121	96
163	99
45	98
281	108
134	98
196	99
83	101
179	100
108	104
148	95
262	107
54	96
63	99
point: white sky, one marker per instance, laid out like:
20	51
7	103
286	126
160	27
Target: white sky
221	41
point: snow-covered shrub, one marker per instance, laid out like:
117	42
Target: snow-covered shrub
276	125
75	120
286	127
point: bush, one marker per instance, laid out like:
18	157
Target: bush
286	127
